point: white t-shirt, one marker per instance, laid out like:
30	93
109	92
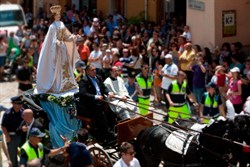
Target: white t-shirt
107	59
187	35
133	163
169	69
95	54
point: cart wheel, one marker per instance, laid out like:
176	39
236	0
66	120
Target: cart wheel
100	157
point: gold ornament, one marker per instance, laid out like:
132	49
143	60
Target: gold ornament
55	9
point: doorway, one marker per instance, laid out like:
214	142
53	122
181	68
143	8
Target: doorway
181	11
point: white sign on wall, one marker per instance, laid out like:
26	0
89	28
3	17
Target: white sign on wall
229	23
197	5
229	19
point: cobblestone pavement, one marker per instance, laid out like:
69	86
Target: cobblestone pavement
9	89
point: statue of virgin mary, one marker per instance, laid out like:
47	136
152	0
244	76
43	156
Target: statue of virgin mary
55	76
55	70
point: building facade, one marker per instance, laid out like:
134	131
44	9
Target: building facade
214	22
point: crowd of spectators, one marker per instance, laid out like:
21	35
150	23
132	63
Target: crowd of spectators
111	41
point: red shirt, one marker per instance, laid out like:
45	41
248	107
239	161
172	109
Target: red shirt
221	80
117	63
83	51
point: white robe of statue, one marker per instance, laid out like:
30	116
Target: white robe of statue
55	70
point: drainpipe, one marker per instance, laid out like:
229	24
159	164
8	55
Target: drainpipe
146	10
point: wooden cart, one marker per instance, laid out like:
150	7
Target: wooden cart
105	156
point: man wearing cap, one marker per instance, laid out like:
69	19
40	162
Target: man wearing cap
211	104
80	70
10	122
33	148
169	73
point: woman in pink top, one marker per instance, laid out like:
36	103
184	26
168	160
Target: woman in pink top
234	92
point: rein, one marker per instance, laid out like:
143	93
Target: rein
156	121
133	103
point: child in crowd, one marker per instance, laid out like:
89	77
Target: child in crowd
220	80
235	90
157	84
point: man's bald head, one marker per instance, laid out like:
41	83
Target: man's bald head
27	111
27	115
114	68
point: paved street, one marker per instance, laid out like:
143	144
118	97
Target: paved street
7	90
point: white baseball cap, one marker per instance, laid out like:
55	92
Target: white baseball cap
95	19
113	50
168	56
235	69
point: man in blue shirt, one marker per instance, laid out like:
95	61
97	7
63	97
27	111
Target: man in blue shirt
78	153
132	86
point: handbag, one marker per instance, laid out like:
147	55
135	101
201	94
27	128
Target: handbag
131	69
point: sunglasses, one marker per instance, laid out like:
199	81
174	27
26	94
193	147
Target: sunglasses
131	153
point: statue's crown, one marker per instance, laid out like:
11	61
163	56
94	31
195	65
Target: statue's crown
55	9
